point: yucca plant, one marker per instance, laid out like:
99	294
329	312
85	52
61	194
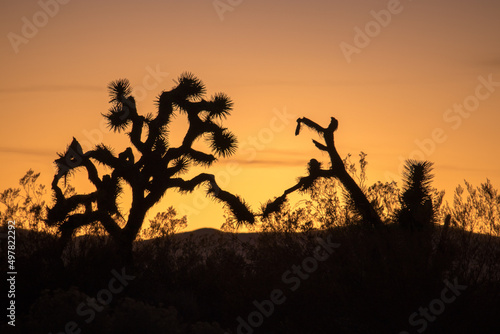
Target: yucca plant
152	167
416	212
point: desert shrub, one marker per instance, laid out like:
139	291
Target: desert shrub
475	219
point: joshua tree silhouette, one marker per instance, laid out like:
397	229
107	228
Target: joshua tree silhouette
337	170
152	167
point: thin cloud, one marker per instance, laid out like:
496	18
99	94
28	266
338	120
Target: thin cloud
27	151
274	158
52	88
277	151
267	163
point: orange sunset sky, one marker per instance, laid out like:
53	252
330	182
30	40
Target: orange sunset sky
406	78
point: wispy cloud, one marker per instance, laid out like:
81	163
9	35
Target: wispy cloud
27	151
268	163
51	88
272	158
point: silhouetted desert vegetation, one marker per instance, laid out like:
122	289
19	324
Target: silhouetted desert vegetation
347	258
206	281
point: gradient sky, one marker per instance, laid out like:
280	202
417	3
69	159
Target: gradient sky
402	84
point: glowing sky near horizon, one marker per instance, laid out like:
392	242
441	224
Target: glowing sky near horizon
405	82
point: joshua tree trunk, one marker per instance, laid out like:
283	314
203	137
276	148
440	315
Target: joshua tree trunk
360	201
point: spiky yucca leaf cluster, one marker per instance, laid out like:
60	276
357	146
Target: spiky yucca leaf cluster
307	182
118	115
118	90
71	159
313	167
236	205
102	153
273	206
180	166
417	179
221	106
189	87
202	159
223	142
416	203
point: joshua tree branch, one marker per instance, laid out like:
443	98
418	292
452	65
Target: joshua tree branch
337	170
320	146
310	124
92	173
136	132
78	220
190	185
236	205
74	222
